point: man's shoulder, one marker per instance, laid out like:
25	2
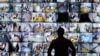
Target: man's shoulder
54	40
67	40
64	39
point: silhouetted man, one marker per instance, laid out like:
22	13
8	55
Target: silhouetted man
61	45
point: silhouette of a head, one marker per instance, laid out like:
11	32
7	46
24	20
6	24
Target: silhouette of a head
60	31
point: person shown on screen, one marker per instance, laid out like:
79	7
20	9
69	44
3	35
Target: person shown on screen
61	45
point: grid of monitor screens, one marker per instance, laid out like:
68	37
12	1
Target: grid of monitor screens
28	26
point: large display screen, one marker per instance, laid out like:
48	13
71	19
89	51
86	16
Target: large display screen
28	26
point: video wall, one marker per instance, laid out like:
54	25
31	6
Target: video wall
28	26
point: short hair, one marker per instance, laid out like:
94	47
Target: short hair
60	31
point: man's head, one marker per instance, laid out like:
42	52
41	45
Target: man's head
60	31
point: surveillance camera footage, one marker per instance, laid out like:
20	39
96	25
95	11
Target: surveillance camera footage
27	27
